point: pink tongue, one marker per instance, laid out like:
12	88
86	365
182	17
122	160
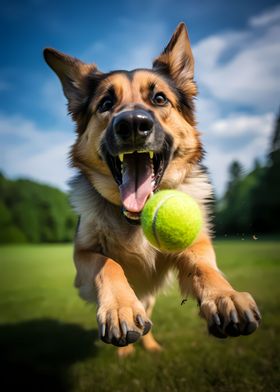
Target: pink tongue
136	181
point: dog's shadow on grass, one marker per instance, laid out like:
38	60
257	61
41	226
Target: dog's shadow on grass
36	354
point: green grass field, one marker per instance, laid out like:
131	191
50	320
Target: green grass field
48	336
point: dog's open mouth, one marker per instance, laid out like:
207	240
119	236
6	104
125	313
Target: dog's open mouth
138	175
138	181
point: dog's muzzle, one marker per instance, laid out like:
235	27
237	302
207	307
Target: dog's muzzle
137	151
132	128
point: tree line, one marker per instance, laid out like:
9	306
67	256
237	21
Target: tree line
32	212
251	203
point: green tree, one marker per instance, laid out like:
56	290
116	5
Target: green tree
251	203
34	212
227	206
266	201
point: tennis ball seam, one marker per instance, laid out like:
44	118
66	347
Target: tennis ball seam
154	219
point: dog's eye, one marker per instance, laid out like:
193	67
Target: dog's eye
160	99
106	104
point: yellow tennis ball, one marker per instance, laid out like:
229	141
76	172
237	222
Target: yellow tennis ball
171	220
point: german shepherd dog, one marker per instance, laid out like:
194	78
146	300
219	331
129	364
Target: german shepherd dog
136	134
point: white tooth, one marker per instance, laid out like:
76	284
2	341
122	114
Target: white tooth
121	157
151	153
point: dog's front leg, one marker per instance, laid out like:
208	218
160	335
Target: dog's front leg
228	312
121	316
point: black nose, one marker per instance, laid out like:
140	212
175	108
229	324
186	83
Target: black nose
133	125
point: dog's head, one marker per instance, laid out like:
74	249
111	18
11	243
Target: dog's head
135	129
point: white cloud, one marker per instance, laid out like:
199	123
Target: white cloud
237	70
243	125
49	166
242	67
208	111
236	137
270	16
218	162
29	151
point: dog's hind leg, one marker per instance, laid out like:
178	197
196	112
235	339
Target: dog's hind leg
126	351
148	341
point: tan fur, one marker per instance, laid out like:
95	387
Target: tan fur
148	341
85	152
116	266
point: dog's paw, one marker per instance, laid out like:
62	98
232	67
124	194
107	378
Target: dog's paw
122	323
230	314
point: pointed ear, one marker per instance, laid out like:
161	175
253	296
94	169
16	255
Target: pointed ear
177	59
72	74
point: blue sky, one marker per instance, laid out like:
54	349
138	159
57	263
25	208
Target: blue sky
236	47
